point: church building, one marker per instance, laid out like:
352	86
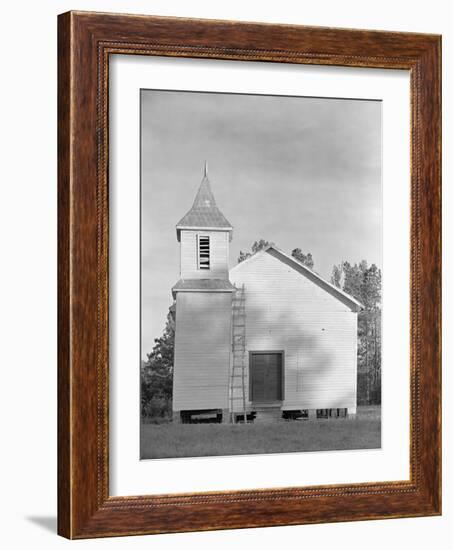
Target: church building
265	340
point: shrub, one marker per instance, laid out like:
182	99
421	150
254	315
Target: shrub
157	410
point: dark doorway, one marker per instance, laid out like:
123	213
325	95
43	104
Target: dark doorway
266	374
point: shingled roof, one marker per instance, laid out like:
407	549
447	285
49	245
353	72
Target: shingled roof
204	213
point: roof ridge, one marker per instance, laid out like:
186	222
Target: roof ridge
310	271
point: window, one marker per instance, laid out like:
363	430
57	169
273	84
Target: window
203	253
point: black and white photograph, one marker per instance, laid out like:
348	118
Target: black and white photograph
261	264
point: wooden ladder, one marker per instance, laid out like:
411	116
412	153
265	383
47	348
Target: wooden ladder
238	402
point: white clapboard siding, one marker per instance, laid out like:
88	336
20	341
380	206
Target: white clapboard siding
317	332
219	244
202	350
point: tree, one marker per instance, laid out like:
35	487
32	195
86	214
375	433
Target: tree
337	277
256	247
364	284
157	373
306	259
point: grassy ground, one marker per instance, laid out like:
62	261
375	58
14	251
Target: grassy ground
188	440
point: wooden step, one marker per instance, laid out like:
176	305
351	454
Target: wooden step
268	416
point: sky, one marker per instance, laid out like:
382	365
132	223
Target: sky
300	172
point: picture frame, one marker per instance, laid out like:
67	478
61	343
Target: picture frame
85	42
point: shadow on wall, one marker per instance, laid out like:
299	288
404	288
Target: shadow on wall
317	373
313	375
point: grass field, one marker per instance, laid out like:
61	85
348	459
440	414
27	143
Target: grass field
189	440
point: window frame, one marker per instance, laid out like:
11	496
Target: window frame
200	266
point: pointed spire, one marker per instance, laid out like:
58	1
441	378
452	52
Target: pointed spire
204	212
204	197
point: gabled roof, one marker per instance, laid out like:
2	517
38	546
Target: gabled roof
204	213
336	292
202	285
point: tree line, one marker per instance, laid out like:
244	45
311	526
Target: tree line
361	281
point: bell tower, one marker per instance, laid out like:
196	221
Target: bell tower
203	297
204	235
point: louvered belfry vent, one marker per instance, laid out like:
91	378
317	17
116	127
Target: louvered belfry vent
204	256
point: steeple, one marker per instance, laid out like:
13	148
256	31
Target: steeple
204	213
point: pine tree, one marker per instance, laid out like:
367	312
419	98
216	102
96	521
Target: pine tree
364	284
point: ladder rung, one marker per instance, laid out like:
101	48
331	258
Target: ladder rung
238	372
